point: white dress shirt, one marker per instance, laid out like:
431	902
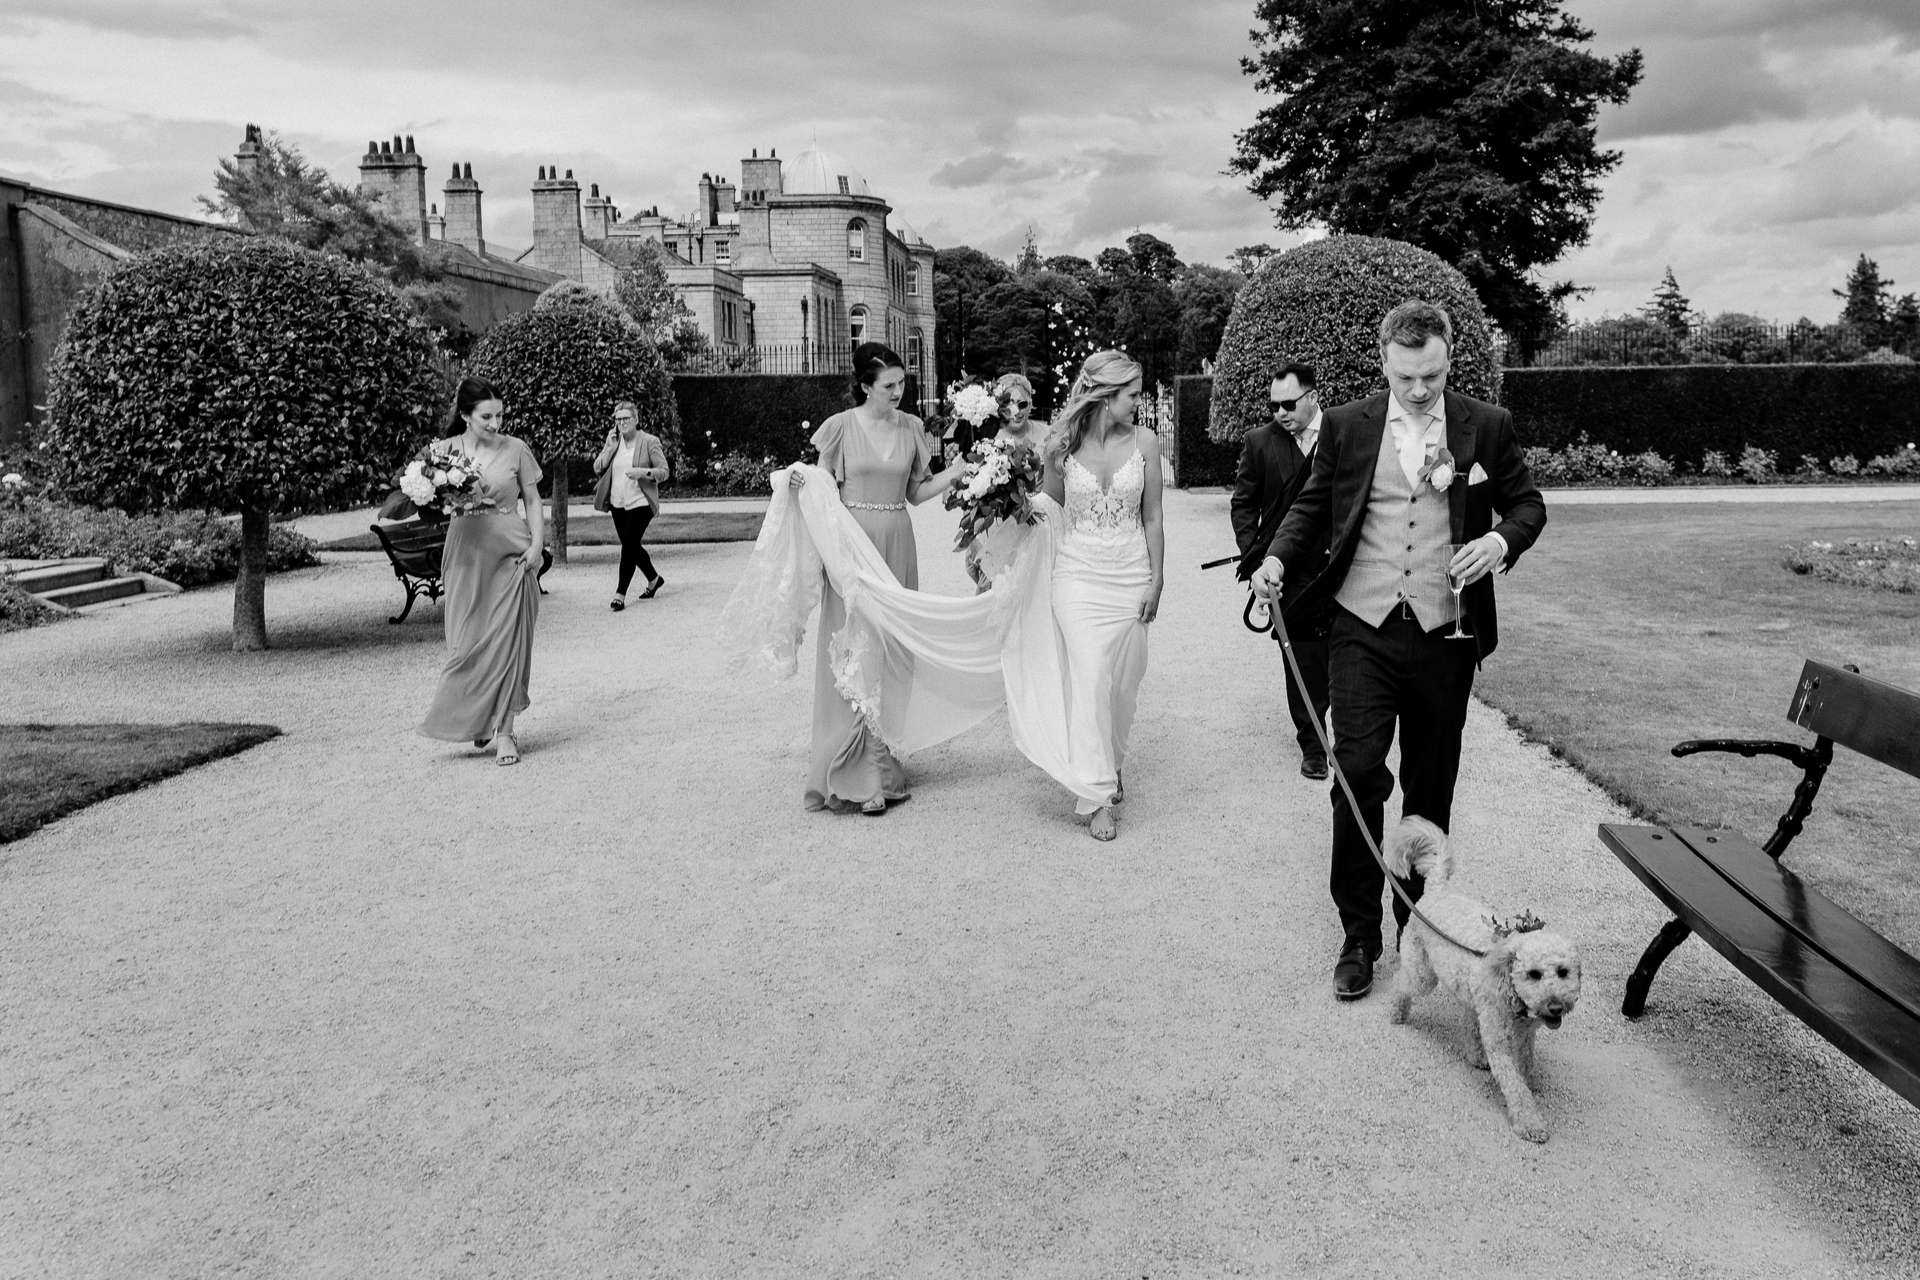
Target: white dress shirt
1309	435
1410	439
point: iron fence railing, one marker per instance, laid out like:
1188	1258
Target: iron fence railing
1639	340
772	357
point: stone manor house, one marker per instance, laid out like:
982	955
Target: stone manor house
792	266
796	264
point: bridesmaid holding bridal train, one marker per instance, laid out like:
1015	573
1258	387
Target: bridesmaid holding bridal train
491	568
1107	572
881	459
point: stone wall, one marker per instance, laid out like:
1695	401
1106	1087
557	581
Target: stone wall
54	247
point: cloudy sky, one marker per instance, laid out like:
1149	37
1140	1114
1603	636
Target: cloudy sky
1771	142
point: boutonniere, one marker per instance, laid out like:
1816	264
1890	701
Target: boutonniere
1439	472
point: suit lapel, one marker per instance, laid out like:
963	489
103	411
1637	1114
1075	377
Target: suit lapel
1461	431
1357	465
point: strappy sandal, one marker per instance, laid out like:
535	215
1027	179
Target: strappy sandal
1112	830
874	807
619	603
652	587
509	754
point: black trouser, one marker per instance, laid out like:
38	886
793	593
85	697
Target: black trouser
630	523
1312	656
1395	673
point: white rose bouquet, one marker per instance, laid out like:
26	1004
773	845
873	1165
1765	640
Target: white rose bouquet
444	479
997	482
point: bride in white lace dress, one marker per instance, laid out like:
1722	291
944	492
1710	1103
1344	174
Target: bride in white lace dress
1107	573
1059	639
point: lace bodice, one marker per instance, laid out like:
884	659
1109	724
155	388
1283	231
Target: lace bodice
1105	513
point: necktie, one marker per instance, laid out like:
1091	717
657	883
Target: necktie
1413	445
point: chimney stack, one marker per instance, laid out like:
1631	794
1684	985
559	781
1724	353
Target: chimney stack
556	223
462	195
596	215
397	177
436	225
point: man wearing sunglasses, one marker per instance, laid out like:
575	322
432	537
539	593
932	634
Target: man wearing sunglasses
1275	460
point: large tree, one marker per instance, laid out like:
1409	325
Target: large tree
1463	126
245	376
1868	302
964	344
282	194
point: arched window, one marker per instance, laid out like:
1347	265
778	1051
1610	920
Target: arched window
857	324
856	241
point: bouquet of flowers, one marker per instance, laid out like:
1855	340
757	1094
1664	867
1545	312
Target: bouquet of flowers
974	402
997	482
445	480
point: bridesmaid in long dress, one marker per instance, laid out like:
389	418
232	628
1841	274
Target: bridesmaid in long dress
491	570
881	458
1108	571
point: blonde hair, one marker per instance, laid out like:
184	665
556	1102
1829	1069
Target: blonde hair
1105	375
1008	380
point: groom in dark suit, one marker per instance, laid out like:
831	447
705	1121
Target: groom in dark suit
1407	482
1275	461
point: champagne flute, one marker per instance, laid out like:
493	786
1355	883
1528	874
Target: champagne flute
1456	584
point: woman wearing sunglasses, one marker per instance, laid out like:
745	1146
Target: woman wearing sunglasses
1016	424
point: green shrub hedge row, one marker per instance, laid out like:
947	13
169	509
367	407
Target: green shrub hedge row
1685	412
754	416
187	548
1701	419
1198	459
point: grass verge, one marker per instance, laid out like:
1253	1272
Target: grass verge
50	770
1630	628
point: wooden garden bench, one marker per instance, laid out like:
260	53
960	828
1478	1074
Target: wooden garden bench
1823	965
414	547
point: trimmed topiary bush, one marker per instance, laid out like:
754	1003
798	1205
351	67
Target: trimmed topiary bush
245	376
1322	303
560	368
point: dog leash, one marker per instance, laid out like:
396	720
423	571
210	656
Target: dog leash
1278	625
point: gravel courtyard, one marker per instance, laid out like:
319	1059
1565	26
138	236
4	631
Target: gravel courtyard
359	1004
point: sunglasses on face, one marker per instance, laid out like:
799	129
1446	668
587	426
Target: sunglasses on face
1021	404
1286	406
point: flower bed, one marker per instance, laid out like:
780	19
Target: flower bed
188	548
1586	463
1890	564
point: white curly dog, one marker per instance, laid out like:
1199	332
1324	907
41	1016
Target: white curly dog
1528	978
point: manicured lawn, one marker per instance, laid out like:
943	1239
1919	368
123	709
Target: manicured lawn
48	771
1630	628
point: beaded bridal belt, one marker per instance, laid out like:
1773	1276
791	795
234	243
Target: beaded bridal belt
876	506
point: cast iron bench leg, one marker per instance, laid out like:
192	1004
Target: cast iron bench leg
412	591
1671	935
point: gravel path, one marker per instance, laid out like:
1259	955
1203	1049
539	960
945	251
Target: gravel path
358	1004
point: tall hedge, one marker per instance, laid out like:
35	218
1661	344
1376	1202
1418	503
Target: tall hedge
1198	459
756	415
242	375
1322	303
1683	411
560	368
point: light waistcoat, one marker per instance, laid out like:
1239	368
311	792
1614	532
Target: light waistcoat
1402	552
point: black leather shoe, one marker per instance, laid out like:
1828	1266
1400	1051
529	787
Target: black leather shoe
1353	974
1314	768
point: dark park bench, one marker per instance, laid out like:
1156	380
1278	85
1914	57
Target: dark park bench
1823	965
414	547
